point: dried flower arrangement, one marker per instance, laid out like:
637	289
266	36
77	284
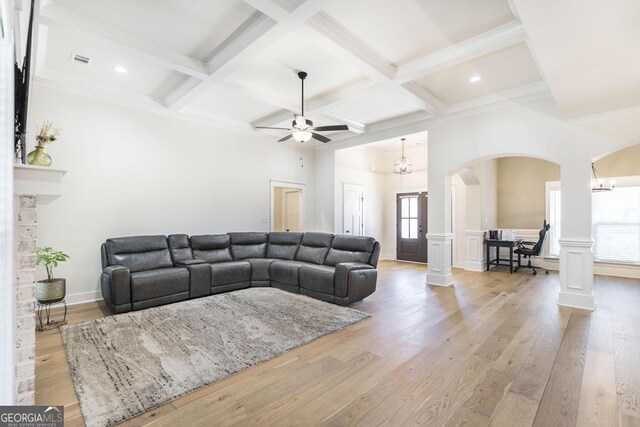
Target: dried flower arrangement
47	134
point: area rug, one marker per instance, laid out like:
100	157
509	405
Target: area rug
126	364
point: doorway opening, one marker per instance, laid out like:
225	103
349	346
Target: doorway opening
287	206
411	223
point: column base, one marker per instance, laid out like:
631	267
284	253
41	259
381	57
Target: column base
439	269
585	302
576	273
437	279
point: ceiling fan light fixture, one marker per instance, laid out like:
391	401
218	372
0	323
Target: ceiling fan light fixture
402	165
302	135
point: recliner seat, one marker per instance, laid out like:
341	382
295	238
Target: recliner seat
145	271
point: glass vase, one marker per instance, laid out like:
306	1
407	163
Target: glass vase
39	157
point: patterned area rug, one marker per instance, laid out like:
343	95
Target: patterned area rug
126	364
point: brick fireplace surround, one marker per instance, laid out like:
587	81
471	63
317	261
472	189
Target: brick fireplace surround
32	185
25	233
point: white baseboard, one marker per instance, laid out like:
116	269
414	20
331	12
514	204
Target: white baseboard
82	297
474	266
585	302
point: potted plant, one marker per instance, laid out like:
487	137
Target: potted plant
52	289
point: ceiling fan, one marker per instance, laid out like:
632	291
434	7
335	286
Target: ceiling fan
302	129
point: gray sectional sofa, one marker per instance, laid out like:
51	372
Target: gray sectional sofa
146	271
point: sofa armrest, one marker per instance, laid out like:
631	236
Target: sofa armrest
342	273
187	262
115	284
199	276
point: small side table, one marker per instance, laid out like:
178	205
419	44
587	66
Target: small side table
45	306
495	243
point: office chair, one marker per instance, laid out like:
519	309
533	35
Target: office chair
530	249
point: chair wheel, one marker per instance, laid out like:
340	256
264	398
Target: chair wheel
546	272
535	272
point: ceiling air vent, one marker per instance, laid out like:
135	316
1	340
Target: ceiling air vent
79	59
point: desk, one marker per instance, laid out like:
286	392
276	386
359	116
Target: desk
500	244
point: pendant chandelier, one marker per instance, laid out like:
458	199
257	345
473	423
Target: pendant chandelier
402	165
597	185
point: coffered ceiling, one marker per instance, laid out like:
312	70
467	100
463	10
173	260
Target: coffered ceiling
372	64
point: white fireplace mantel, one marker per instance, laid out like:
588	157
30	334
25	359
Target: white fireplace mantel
44	182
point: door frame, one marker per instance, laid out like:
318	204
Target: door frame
357	187
286	184
395	216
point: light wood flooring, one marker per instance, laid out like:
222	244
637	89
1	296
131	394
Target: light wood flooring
495	349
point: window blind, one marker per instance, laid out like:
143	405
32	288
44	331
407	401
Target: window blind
615	225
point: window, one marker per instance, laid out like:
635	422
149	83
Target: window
409	217
615	224
554	220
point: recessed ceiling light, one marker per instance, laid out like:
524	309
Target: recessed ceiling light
475	78
121	70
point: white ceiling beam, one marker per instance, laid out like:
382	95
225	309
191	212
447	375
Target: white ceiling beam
437	105
60	17
368	60
354	126
261	94
270	9
495	39
508	95
490	41
257	34
322	102
68	83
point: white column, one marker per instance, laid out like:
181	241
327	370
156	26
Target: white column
576	256
439	235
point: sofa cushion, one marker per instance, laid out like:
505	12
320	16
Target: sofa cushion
227	273
350	249
259	268
314	247
139	253
248	245
211	247
151	284
283	245
179	247
318	278
283	271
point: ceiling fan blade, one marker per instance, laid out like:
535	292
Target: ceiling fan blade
330	128
319	137
285	138
269	127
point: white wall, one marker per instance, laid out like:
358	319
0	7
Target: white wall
353	166
360	166
487	173
131	172
394	184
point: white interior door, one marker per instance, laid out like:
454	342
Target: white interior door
292	210
353	210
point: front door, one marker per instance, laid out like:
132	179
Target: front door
411	227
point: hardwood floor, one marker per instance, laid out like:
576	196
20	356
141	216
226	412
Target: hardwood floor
495	349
